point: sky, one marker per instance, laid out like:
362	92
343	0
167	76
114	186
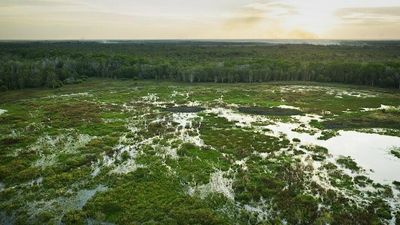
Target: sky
205	19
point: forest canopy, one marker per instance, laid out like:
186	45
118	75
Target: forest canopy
53	64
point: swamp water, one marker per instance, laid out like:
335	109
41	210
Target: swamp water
370	151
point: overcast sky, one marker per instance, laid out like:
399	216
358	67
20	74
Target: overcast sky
205	19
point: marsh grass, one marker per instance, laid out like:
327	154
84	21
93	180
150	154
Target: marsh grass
235	172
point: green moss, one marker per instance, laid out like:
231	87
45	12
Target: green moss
241	143
340	180
318	153
74	217
196	165
348	163
71	161
296	140
318	157
69	115
18	170
362	181
59	178
395	152
373	119
396	184
315	149
145	196
325	135
316	124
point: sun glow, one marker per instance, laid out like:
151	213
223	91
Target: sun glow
178	19
316	20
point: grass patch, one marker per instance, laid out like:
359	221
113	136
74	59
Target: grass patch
395	151
348	163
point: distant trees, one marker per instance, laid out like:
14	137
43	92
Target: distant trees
44	66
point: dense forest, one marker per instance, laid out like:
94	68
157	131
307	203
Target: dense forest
53	64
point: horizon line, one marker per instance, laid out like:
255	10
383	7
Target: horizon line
201	39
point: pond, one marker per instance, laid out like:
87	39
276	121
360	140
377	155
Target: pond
370	151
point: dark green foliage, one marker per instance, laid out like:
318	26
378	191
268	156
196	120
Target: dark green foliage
36	64
396	184
362	180
148	197
325	135
72	114
74	218
318	153
296	140
372	119
316	149
184	109
196	165
396	152
348	163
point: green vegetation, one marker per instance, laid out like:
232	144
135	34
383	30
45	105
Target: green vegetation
146	152
318	153
348	163
396	152
325	135
53	64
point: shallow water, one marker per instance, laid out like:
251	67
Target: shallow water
288	107
242	120
85	195
370	151
382	107
72	95
2	111
218	184
184	125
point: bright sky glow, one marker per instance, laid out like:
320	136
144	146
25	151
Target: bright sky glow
206	19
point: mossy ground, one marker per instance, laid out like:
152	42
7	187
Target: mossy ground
108	151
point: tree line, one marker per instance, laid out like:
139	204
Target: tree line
55	65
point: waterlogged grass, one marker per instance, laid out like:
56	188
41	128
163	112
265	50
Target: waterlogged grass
375	119
238	142
395	151
138	152
195	165
348	163
318	153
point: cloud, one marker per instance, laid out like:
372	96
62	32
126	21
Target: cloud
370	11
259	11
273	8
246	17
266	19
369	15
367	23
199	19
37	3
